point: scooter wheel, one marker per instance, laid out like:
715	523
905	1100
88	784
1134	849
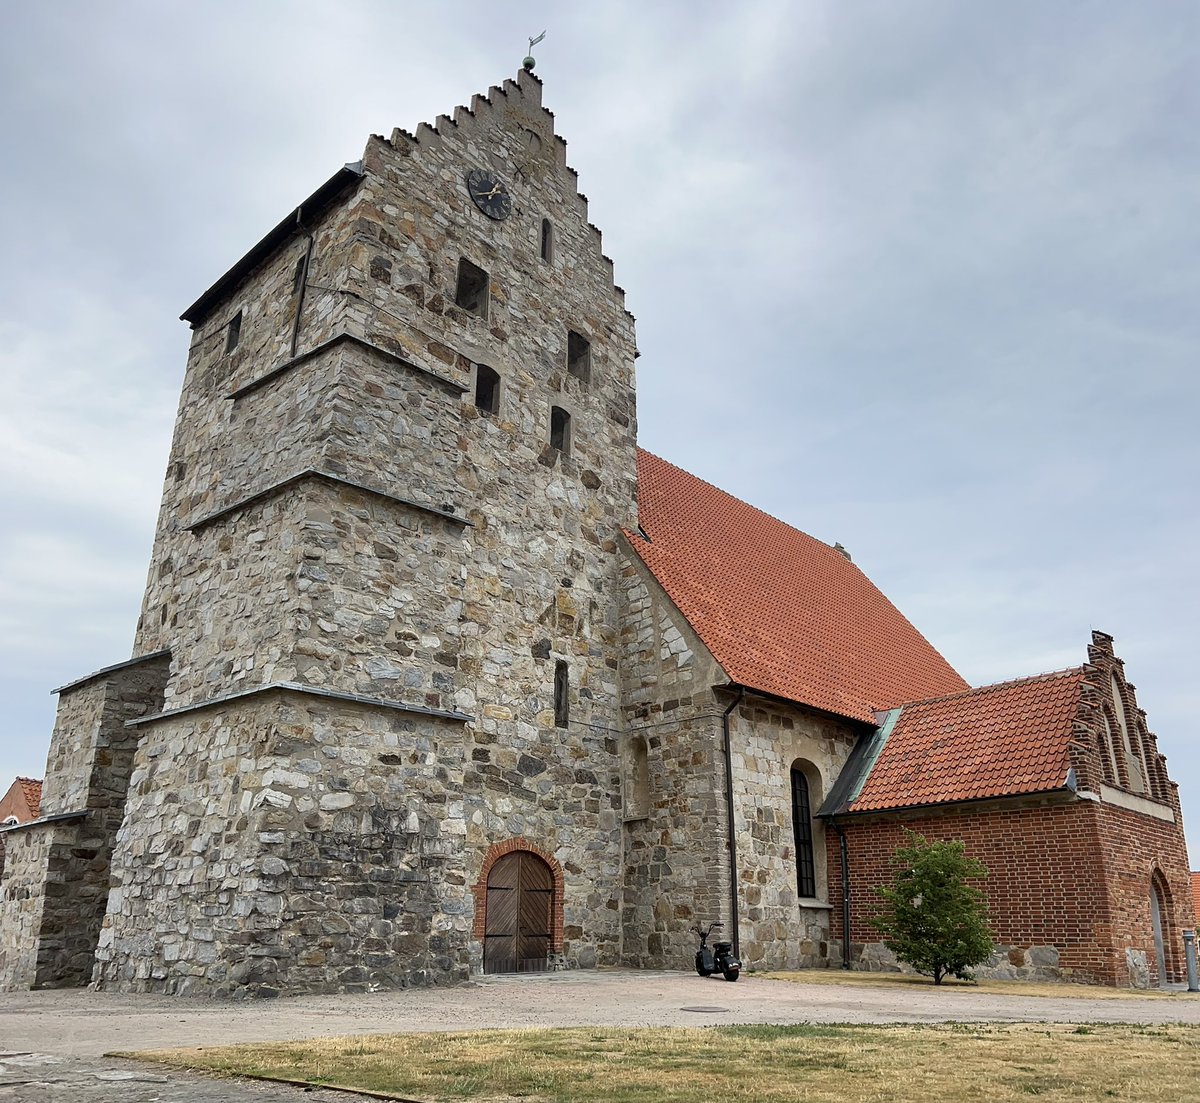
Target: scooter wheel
732	974
704	972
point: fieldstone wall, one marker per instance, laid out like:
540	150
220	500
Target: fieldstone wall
676	853
56	881
779	929
288	843
22	900
676	848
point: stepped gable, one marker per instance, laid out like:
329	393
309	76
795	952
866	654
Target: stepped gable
781	612
1001	740
33	795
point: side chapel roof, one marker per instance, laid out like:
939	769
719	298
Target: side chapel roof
780	611
1006	740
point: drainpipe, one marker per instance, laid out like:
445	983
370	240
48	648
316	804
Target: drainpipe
308	252
845	851
733	869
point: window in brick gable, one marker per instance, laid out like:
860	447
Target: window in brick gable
1133	762
1109	748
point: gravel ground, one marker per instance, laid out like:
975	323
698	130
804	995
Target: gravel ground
52	1043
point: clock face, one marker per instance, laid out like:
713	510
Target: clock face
489	193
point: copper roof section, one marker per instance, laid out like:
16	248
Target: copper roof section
781	612
996	741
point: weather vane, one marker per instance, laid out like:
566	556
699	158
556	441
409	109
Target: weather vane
529	61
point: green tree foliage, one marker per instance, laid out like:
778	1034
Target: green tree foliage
931	918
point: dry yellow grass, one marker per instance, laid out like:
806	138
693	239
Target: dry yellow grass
1059	991
755	1064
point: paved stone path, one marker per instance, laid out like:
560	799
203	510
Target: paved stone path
59	1037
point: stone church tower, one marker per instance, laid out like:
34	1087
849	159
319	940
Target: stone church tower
385	574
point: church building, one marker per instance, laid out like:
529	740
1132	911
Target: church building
438	673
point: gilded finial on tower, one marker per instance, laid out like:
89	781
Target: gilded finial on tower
529	61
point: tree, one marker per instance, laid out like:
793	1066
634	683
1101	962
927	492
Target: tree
931	918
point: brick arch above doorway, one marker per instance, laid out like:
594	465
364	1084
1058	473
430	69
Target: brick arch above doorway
479	890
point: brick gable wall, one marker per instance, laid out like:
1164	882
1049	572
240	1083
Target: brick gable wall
1068	885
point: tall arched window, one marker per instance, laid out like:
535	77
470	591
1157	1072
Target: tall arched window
802	830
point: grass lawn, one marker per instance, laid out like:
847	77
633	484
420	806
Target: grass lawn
1062	990
763	1064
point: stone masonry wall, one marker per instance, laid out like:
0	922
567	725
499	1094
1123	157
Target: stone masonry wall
780	930
675	843
22	898
286	843
53	895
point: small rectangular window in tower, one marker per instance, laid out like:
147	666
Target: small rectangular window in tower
487	389
560	429
234	334
579	356
471	292
298	275
562	695
547	241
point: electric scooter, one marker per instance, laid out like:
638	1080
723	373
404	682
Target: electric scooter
718	959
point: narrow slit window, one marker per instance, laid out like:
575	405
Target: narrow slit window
560	429
806	871
547	241
471	291
298	276
562	695
234	334
487	389
579	356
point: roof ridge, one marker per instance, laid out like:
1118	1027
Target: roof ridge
749	505
1045	675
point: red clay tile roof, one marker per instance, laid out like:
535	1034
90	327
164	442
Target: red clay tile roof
1000	740
33	794
780	611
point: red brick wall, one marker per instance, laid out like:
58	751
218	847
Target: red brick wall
1135	849
1047	883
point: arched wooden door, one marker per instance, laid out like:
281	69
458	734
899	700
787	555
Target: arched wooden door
520	893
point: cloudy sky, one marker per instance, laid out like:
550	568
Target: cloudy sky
920	277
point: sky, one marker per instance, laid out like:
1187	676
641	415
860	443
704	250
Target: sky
917	277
